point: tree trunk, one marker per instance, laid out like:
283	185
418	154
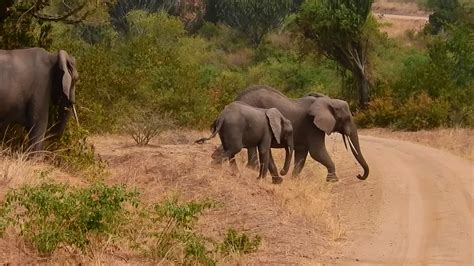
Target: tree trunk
363	89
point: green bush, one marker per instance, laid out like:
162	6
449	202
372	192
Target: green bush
53	214
239	243
382	112
422	112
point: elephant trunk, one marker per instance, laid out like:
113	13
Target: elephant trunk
288	154
62	117
355	148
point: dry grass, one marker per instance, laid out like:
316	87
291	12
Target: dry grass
299	209
400	28
459	141
296	220
400	18
401	7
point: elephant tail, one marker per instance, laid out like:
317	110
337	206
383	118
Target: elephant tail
215	127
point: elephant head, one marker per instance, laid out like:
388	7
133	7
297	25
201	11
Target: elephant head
333	115
283	132
65	94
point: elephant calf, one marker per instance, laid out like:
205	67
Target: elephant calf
242	126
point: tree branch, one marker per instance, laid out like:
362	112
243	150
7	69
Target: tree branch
64	17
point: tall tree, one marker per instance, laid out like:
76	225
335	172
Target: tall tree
339	30
254	18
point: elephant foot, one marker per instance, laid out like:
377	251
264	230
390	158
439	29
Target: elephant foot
277	180
332	177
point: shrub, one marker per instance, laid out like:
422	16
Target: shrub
53	214
144	126
183	214
422	112
381	112
177	235
239	243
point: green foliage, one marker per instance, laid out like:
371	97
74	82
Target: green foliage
417	112
28	23
382	112
75	154
177	240
422	112
183	214
340	30
155	67
253	18
168	233
239	243
53	214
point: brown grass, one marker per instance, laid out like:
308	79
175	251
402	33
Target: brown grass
399	28
300	221
458	141
295	219
401	7
400	18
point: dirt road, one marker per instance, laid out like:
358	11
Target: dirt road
401	17
416	207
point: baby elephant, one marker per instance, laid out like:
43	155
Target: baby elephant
242	126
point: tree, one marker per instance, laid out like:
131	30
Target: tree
452	42
339	29
253	18
27	23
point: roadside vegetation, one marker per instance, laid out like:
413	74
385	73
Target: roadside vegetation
149	66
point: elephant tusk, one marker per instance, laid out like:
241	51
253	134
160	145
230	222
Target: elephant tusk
352	147
345	143
75	114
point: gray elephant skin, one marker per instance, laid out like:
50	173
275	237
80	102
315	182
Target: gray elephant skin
312	117
31	82
242	126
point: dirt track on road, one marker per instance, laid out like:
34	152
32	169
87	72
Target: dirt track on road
416	207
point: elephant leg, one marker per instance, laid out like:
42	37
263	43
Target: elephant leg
252	155
230	154
320	154
276	178
36	134
233	165
300	159
264	157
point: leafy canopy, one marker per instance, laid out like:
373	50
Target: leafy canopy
253	18
339	29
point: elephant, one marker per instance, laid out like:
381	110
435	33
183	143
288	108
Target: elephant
242	126
312	116
32	81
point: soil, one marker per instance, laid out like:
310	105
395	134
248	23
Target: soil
415	208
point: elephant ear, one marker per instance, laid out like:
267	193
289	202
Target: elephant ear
274	119
323	116
67	65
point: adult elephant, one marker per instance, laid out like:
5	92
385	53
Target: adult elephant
31	82
312	117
